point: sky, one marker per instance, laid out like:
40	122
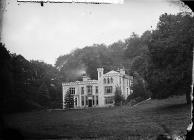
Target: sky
45	33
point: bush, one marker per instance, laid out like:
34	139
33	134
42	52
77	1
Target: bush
118	98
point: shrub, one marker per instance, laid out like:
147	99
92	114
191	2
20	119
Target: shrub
118	98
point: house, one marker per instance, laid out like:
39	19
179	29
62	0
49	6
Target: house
98	93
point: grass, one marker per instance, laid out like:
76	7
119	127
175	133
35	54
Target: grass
146	121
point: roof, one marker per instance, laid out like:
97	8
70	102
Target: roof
81	82
112	72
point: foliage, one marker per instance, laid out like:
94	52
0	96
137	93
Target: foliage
140	91
69	101
170	69
28	85
118	97
6	81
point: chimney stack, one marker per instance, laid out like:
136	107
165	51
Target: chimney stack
122	71
85	77
100	72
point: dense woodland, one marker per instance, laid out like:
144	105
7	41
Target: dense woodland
160	61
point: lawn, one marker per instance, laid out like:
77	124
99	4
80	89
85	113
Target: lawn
146	120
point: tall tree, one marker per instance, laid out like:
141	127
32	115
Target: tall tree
171	56
6	79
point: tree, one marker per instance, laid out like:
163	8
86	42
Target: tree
140	90
43	95
118	98
69	101
170	69
135	45
6	79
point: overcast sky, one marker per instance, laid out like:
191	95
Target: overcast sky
44	33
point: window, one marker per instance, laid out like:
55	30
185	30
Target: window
96	100
130	83
82	90
108	89
96	89
93	100
72	90
109	100
104	81
75	101
111	80
86	100
82	98
89	89
108	81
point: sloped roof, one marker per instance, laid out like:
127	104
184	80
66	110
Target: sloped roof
112	72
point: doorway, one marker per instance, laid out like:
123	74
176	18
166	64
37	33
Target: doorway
89	103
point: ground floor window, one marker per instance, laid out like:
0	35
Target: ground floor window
75	101
109	100
82	100
93	100
86	100
96	100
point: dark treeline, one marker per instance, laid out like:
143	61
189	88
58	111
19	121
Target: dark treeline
28	85
160	61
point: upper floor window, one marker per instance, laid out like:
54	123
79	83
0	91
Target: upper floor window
99	74
96	89
111	80
104	81
108	80
89	89
82	90
108	89
130	83
72	90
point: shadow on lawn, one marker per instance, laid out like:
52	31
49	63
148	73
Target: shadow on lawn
174	107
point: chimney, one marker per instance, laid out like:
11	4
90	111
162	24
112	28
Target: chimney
122	71
100	72
85	77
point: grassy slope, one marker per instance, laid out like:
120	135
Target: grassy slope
142	120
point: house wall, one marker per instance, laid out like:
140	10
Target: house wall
119	80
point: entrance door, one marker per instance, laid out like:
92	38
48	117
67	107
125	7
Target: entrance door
89	103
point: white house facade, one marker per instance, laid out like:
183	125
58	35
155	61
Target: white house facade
98	93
